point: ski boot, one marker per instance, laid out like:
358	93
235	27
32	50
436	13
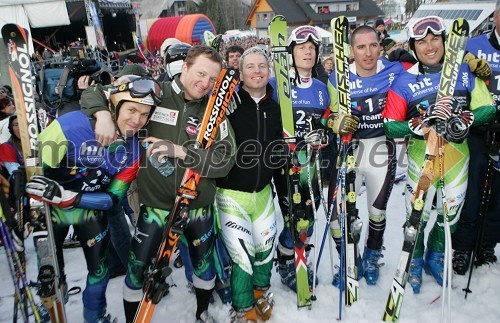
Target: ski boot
336	278
223	289
371	265
415	274
263	303
91	316
244	315
286	269
460	261
486	255
205	317
107	319
434	265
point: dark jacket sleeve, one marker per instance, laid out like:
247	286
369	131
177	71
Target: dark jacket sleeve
93	99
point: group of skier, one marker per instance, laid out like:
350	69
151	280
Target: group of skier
89	165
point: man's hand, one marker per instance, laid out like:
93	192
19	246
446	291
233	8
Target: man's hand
454	122
47	190
343	124
83	82
478	66
317	139
159	148
105	129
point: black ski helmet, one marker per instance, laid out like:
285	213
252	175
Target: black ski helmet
176	52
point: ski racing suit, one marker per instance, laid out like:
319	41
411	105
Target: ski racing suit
374	152
10	157
485	46
245	202
72	157
409	96
177	121
310	102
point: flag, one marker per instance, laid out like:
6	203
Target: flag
140	47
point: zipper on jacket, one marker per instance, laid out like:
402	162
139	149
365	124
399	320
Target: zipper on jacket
265	126
258	140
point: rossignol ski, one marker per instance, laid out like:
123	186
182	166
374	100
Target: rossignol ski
154	285
296	213
349	223
455	49
16	42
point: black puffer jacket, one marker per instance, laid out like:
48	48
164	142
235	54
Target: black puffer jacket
257	129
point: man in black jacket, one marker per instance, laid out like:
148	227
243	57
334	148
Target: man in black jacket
244	197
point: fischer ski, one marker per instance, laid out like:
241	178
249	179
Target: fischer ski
350	225
154	285
16	42
455	49
298	226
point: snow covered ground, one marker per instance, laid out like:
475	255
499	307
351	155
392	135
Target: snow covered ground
179	306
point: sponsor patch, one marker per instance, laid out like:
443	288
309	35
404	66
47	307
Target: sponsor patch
191	130
224	131
166	116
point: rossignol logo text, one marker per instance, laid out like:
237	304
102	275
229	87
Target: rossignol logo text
23	59
222	99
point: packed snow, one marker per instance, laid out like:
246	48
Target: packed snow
179	305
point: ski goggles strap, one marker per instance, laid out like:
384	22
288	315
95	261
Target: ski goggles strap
303	34
142	87
421	27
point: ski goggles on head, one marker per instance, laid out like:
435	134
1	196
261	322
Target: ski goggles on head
142	87
303	34
421	27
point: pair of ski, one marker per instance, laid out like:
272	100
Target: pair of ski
16	42
298	224
24	300
455	49
349	220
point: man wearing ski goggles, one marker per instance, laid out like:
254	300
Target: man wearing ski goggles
420	28
142	87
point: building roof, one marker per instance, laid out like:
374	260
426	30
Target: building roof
299	12
474	12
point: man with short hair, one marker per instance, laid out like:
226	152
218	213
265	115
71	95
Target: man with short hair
244	197
172	131
374	152
411	106
233	54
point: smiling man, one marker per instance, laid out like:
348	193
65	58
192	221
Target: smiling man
174	125
83	179
411	105
244	197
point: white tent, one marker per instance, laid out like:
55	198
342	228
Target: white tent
324	34
33	13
